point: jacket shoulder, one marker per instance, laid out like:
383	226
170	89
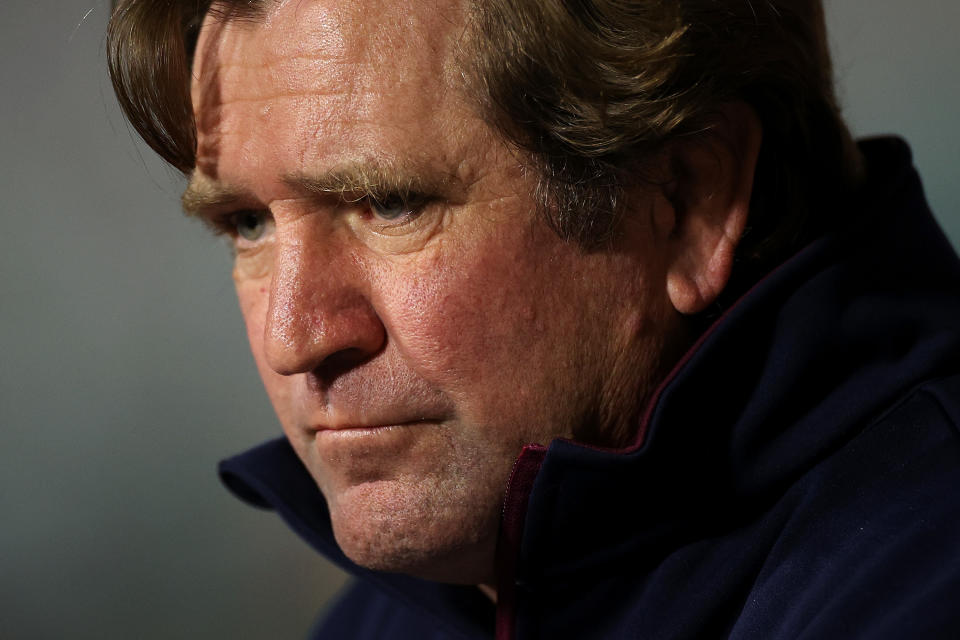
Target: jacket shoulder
873	535
364	612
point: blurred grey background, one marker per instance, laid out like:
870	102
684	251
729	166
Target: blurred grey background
124	372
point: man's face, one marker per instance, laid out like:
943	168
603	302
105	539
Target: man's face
410	346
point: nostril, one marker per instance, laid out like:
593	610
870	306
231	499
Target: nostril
337	364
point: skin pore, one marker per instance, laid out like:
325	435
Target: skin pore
414	321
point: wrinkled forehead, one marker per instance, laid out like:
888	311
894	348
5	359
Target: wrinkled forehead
352	29
340	45
376	58
380	32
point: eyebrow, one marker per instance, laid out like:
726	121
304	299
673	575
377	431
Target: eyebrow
351	181
203	194
348	182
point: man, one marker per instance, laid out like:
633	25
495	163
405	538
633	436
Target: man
592	305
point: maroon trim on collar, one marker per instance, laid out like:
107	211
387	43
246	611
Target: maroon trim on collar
655	398
531	458
511	533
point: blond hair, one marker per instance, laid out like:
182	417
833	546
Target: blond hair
589	90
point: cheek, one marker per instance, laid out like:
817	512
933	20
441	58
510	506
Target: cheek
476	321
253	295
254	298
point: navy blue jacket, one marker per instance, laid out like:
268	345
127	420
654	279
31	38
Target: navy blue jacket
796	476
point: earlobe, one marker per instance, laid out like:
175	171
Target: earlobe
711	199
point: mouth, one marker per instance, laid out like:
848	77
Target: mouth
357	431
369	449
349	455
360	430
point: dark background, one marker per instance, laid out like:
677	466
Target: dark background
124	372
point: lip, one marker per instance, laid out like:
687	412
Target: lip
367	429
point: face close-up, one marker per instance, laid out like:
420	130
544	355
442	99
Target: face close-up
414	319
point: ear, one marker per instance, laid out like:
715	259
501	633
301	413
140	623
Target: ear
712	181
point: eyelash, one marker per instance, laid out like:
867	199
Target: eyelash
411	203
226	223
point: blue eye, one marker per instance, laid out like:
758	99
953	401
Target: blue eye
250	224
393	208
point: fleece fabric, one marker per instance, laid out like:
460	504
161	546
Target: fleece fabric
796	476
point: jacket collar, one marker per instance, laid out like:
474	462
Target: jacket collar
271	476
787	375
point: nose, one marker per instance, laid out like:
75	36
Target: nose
319	318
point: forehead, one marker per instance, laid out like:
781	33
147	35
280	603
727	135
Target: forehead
312	78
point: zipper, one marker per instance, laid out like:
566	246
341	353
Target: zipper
525	471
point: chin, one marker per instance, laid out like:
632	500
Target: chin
387	529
